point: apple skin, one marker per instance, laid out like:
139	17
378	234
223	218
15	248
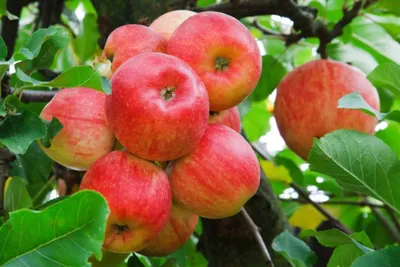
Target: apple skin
85	136
167	23
225	38
144	120
306	104
130	40
218	177
181	225
138	196
229	117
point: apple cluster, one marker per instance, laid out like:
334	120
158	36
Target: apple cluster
164	147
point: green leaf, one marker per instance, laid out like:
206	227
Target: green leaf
106	85
17	132
202	3
3	6
386	76
387	257
389	22
390	6
86	41
17	197
294	170
11	104
272	73
3	69
344	255
256	121
3	49
294	250
356	101
53	128
358	162
334	10
63	234
390	136
335	237
134	261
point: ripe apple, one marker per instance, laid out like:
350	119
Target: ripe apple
85	136
306	104
130	40
218	177
225	56
167	23
229	117
138	196
181	225
158	108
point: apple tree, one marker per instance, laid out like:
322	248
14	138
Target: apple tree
94	170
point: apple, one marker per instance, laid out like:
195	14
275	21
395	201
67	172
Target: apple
158	108
306	104
229	117
167	23
224	54
218	177
138	196
181	225
85	135
130	40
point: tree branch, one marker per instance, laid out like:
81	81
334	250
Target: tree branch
254	228
336	202
394	217
388	226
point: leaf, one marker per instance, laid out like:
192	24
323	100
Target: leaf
356	101
390	136
86	41
308	217
3	48
79	76
295	173
3	69
387	257
294	250
16	195
3	6
272	73
256	121
389	22
17	132
344	255
64	234
359	162
275	173
106	85
386	76
53	128
11	104
134	261
335	237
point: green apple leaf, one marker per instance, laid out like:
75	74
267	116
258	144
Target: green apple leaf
387	257
35	167
53	128
390	135
3	69
386	76
344	255
389	22
85	43
11	104
295	173
294	250
335	237
272	72
356	101
358	162
63	234
3	7
134	261
256	121
17	132
3	49
17	197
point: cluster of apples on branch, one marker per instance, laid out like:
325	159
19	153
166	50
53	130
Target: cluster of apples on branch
164	147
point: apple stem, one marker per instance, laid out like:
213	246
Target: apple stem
120	228
222	63
256	231
168	93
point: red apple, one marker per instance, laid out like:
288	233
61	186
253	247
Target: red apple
224	54
306	104
229	117
130	40
85	136
181	225
218	177
138	196
167	23
158	108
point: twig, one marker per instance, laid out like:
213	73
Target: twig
388	226
5	158
336	202
321	209
393	216
254	228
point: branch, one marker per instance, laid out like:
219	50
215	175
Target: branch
28	96
5	158
337	202
321	209
388	226
394	217
254	228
